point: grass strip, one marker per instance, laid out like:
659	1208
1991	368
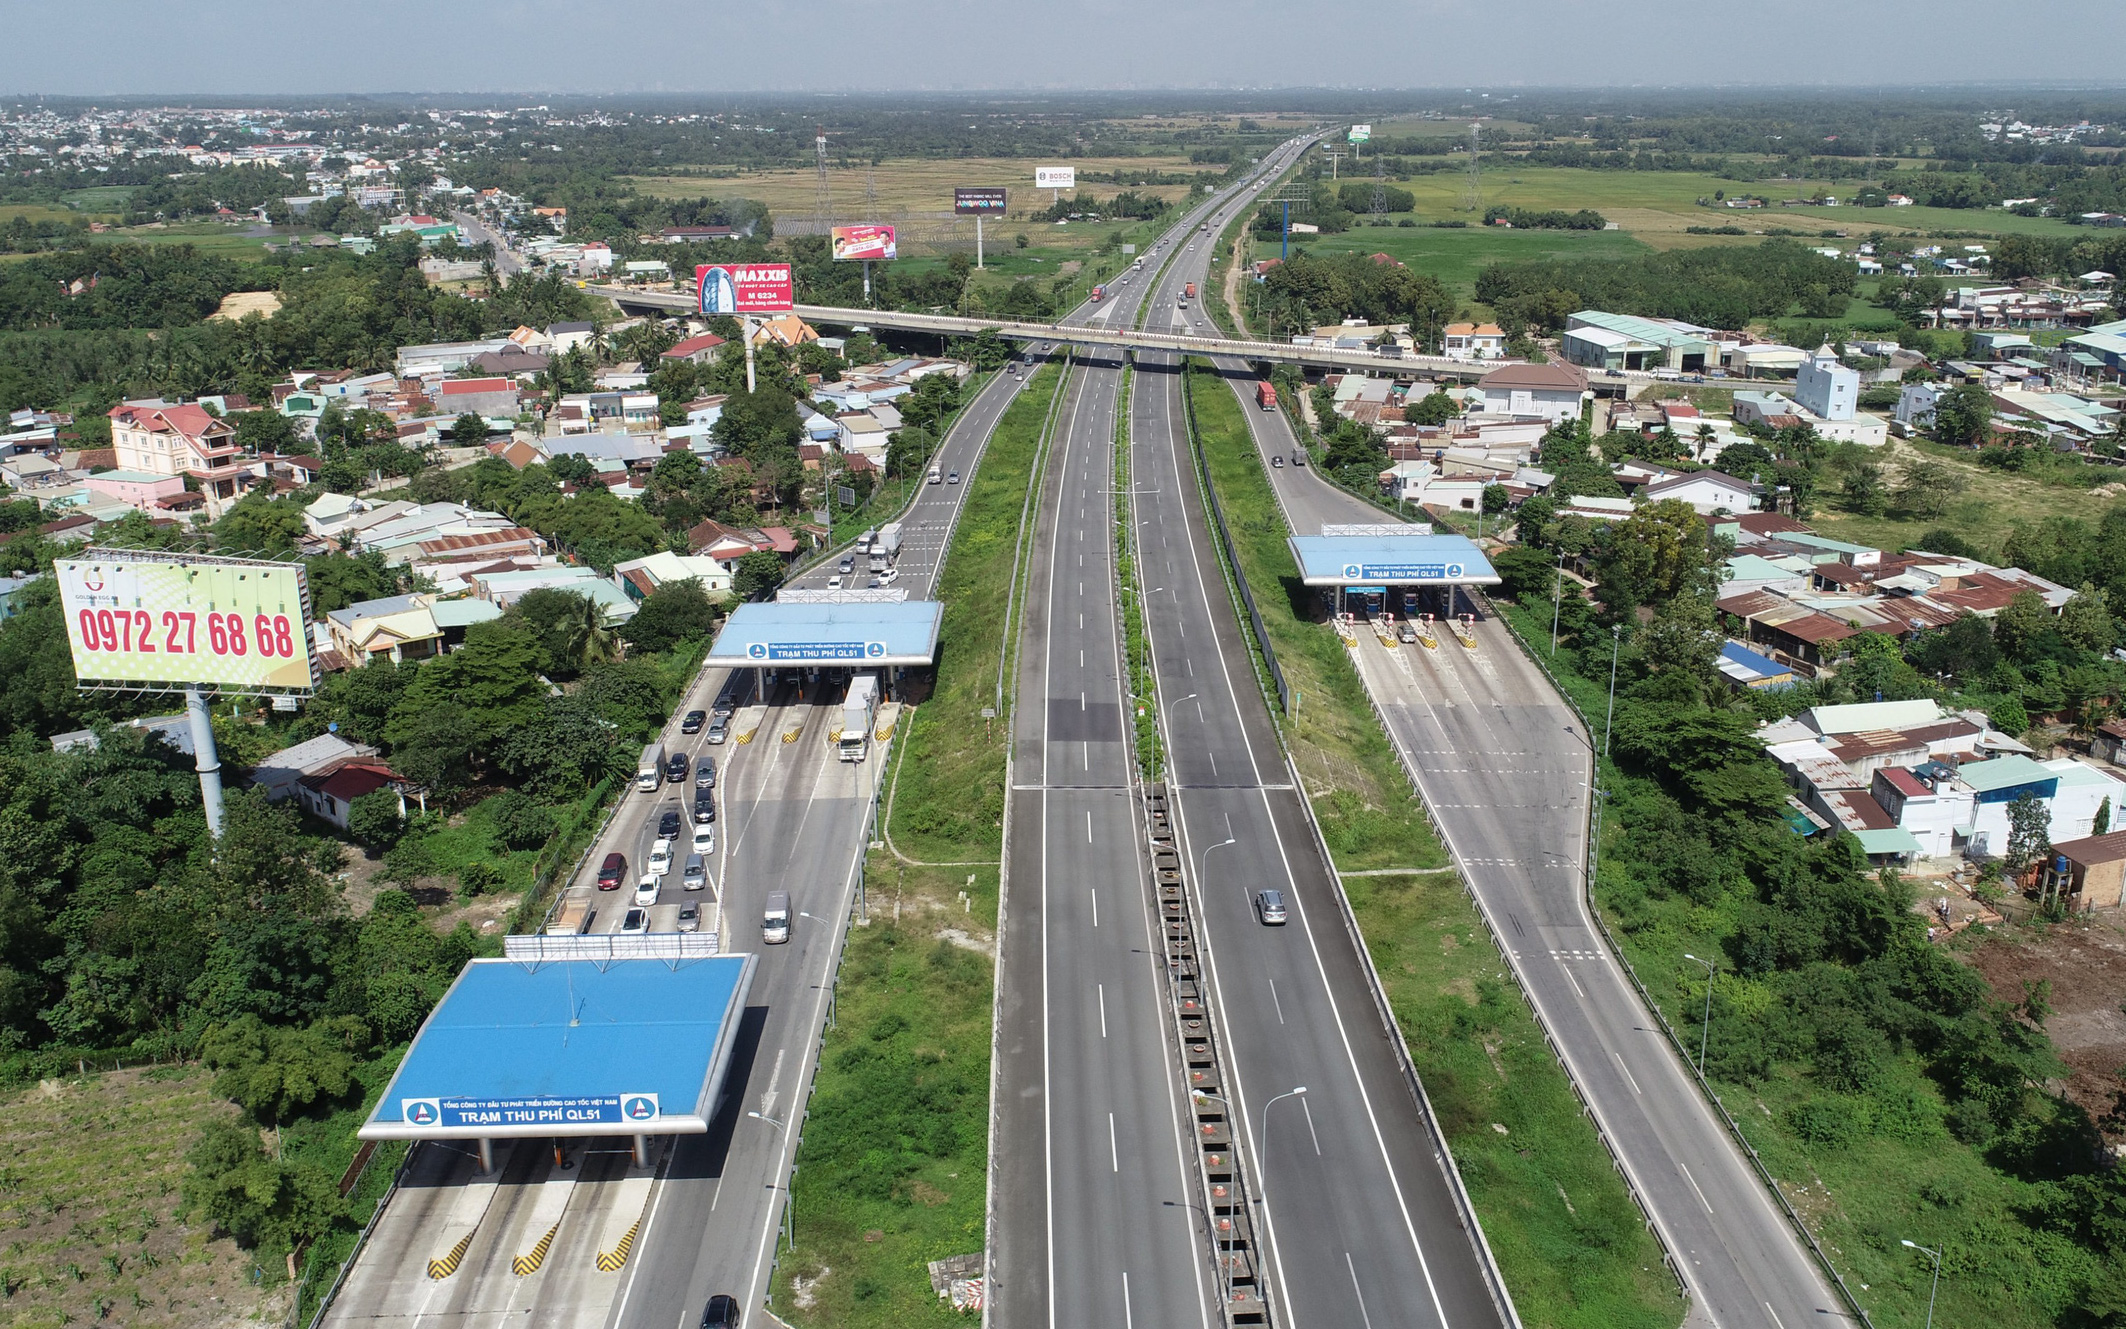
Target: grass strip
1129	602
1568	1238
950	801
893	1169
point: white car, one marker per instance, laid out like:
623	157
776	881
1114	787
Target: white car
889	576
834	583
635	923
646	891
660	858
704	840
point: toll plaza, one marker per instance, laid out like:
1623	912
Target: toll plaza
816	634
1374	572
569	1047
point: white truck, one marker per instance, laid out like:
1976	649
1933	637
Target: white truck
889	539
649	772
859	707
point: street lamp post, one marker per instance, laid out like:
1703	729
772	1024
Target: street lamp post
1203	859
1704	1026
1936	1286
1616	643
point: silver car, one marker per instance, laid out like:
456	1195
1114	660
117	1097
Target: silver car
1269	907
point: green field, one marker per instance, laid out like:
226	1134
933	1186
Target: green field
208	237
1991	505
1456	256
100	198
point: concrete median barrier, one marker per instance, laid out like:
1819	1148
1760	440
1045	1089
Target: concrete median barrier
462	1224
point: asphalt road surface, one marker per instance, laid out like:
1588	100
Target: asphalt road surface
1505	767
1361	1226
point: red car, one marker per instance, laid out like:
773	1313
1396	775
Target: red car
612	872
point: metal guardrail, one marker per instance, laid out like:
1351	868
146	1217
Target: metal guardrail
1646	996
361	1239
535	947
1225	537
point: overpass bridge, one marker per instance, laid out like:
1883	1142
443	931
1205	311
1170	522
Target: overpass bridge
1084	334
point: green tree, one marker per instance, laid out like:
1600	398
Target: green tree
675	612
373	819
338	580
1662	550
260	525
758	572
275	1072
1435	408
262	1202
1964	416
2085	620
1927	488
909	449
1496	499
468	429
2029	832
2020	622
1864	492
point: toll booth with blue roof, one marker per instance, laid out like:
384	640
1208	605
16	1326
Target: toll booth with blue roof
871	634
1368	565
569	1048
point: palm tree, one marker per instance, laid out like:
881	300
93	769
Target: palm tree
585	639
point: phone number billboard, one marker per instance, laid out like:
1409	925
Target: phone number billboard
143	618
864	242
744	288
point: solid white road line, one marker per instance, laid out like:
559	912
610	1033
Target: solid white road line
1627	1075
1694	1186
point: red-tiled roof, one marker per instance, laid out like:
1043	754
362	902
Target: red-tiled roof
351	781
694	346
458	387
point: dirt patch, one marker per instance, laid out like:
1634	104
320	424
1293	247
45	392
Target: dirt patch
2085	962
236	304
979	945
89	1176
922	1192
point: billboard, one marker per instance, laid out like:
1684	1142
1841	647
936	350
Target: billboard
588	1109
744	288
978	202
1055	177
145	617
1360	133
865	242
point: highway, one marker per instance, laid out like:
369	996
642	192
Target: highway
1505	766
1361	1225
1097	1214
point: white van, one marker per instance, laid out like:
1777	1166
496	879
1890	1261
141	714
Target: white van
937	476
775	919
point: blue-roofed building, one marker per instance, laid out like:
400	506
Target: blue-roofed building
1387	558
569	1048
839	634
1745	668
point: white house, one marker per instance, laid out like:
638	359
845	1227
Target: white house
1549	392
1706	491
1826	387
1915	404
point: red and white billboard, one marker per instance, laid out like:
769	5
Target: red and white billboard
864	242
745	288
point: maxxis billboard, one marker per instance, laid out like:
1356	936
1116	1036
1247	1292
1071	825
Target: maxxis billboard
864	242
744	288
147	619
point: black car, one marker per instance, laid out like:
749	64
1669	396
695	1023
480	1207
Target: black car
668	824
721	1312
694	721
704	807
675	768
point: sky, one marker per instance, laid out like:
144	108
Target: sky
220	47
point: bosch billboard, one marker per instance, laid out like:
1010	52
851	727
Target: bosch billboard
745	288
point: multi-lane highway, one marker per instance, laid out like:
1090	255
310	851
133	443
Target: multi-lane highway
1506	768
1097	1215
1360	1221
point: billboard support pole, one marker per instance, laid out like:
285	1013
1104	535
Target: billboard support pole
867	283
205	758
978	241
745	328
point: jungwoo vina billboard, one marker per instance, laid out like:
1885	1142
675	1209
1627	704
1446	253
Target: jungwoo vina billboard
156	619
978	202
744	288
864	242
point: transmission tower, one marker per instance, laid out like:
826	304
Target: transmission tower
823	201
1473	188
1380	187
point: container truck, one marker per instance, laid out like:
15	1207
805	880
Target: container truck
649	772
1266	396
889	538
858	708
1189	290
1099	294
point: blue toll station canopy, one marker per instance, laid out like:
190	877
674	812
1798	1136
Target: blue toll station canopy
570	1047
1391	560
850	633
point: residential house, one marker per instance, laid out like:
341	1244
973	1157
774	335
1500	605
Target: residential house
280	773
1707	492
397	628
161	438
1473	341
487	397
1826	388
2096	867
695	350
1549	392
640	578
330	795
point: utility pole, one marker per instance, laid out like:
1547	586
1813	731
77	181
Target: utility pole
822	200
1473	188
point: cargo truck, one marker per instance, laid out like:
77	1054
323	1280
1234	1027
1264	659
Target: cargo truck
1189	290
1099	294
889	538
1266	396
858	709
649	772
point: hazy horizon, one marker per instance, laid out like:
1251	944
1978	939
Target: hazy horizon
304	48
